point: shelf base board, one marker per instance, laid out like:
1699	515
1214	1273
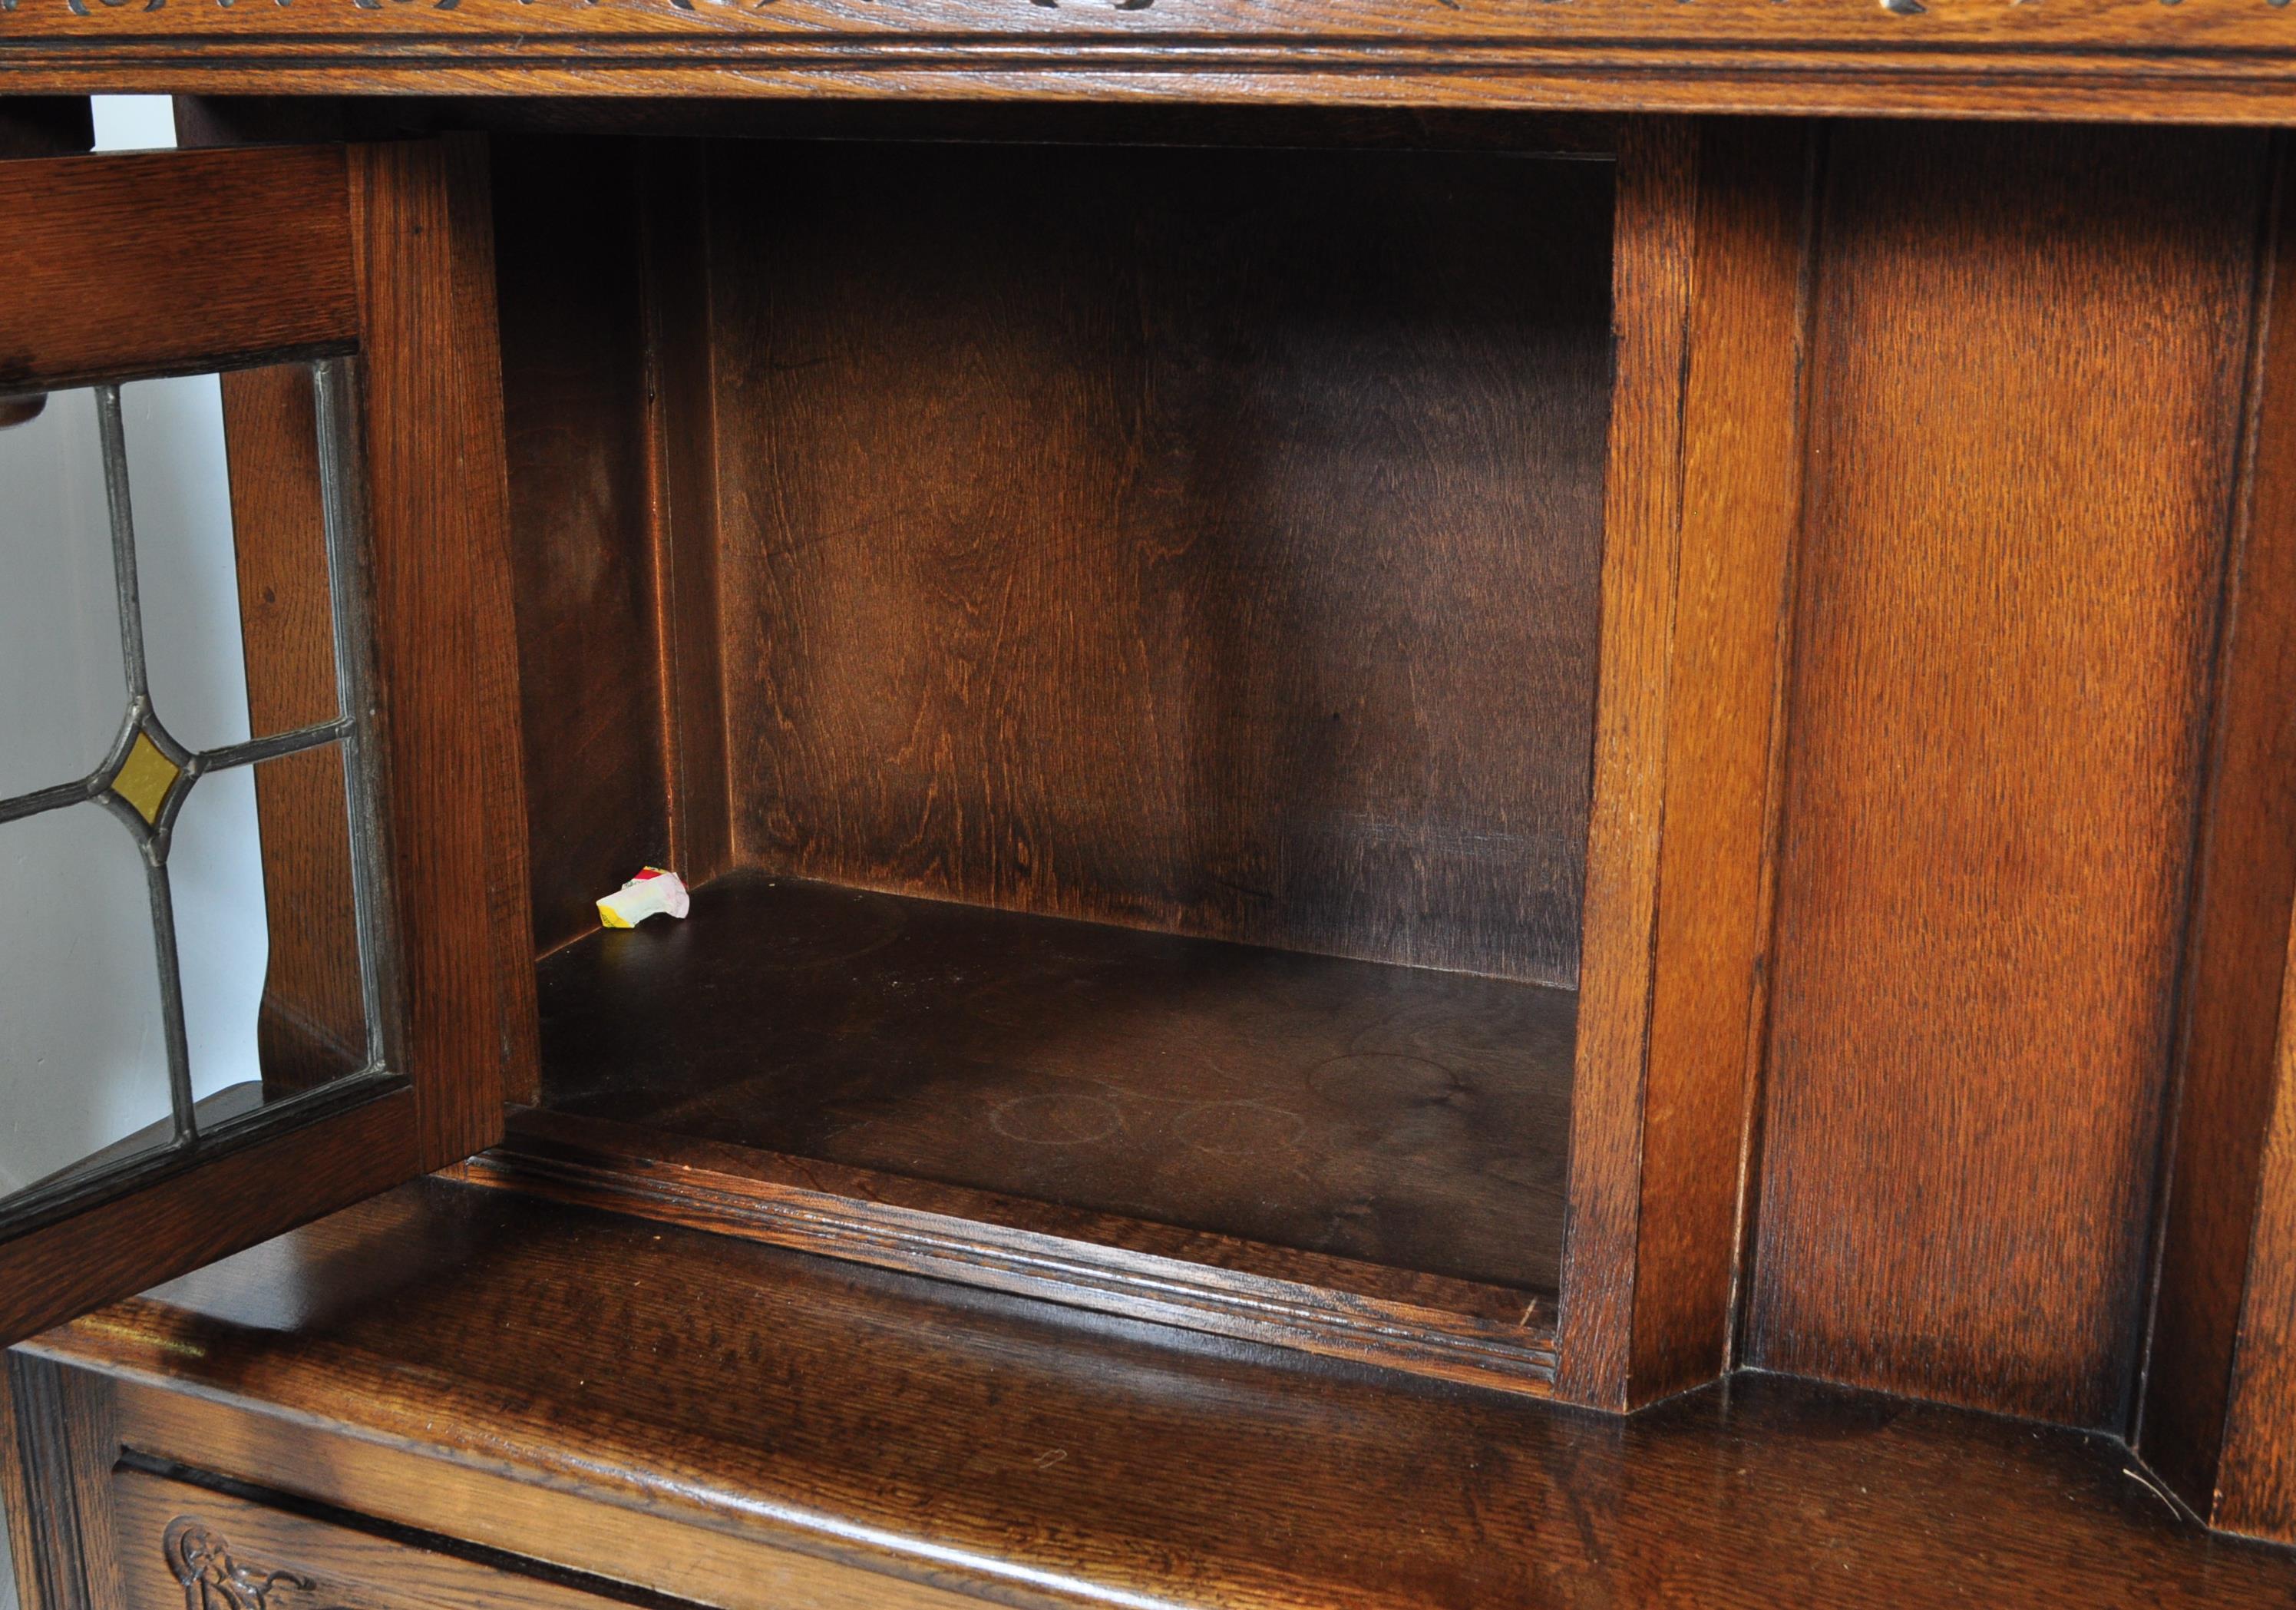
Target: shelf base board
1430	1325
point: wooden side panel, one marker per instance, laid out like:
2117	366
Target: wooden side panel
2237	955
2256	1483
60	1437
575	405
2220	1383
446	647
170	261
2029	351
1198	541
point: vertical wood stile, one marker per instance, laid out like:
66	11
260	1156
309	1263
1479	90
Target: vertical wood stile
2220	1370
1704	506
1741	515
1642	545
446	642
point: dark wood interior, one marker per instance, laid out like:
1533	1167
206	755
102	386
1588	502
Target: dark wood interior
1204	541
1617	758
1205	544
1394	1115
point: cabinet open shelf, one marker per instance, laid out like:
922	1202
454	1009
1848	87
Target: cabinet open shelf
1112	633
1393	1116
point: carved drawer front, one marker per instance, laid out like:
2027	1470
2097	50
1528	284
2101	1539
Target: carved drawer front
187	1548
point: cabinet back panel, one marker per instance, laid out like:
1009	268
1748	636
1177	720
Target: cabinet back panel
2029	352
1207	541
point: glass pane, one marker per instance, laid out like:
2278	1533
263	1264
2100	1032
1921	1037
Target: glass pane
262	870
177	750
216	866
284	618
182	499
83	1050
62	690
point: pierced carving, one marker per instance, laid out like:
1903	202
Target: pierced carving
212	1580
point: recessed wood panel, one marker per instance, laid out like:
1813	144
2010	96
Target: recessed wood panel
2029	347
1197	541
574	406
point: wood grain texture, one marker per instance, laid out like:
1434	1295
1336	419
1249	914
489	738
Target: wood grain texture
1397	1116
37	1483
312	1024
1337	1307
2221	1386
684	534
185	1218
610	1378
167	262
1740	507
1193	542
444	644
17	1473
627	1554
396	264
306	1560
66	1437
2022	449
574	401
2255	1486
1641	533
2244	881
2202	60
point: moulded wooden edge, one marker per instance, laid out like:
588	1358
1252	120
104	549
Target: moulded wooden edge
1337	1308
258	118
1720	77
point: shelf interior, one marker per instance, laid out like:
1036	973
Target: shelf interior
1400	1116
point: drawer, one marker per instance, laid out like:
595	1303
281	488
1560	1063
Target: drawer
185	1546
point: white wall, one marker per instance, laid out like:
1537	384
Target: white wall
81	1062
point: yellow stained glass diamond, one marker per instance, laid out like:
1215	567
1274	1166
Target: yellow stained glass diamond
145	777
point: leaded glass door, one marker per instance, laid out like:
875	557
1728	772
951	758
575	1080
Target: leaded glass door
348	812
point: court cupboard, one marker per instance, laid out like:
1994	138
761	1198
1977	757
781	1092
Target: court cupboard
1489	803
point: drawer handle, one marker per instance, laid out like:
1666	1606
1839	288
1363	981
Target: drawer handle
212	1580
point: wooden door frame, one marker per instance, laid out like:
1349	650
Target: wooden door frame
176	262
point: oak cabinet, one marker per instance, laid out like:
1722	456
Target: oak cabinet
1561	753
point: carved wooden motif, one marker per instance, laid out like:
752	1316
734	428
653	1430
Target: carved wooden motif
214	1579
